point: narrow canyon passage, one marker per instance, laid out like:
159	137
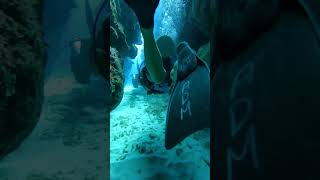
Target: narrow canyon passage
137	125
69	141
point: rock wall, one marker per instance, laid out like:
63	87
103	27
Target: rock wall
22	61
124	34
125	31
116	78
195	27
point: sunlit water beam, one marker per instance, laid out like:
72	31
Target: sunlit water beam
132	69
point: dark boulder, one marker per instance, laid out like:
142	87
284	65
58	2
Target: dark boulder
124	34
116	78
22	62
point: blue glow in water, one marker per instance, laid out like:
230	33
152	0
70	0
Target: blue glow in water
134	64
140	57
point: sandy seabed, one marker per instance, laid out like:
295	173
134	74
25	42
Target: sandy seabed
69	141
137	128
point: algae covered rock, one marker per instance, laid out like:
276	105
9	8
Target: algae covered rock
116	78
124	34
125	31
22	61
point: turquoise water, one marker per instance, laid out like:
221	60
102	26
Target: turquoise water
137	125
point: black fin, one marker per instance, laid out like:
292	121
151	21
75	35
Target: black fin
189	105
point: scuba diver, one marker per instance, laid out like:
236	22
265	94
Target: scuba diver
189	75
264	95
88	55
166	48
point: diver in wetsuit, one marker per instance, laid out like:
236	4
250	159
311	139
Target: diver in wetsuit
190	76
265	91
153	59
88	55
166	48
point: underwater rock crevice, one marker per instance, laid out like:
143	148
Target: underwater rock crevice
124	34
116	78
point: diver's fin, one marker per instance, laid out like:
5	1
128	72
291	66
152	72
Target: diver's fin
188	109
312	8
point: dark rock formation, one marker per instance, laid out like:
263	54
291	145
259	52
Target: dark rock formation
117	42
117	32
116	78
22	61
124	34
125	31
195	30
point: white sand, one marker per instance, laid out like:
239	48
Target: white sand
137	143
